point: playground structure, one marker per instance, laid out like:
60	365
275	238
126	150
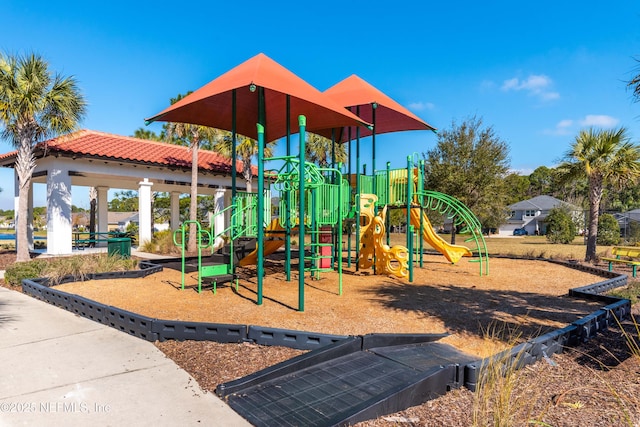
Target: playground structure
329	199
314	200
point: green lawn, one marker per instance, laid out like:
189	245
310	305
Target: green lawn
532	246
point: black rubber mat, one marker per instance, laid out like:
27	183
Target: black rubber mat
335	391
424	356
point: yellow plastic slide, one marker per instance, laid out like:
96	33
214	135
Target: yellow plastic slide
452	253
270	246
394	260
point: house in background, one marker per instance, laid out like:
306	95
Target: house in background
531	214
119	221
629	224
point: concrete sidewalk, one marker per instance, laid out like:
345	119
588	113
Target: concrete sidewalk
59	369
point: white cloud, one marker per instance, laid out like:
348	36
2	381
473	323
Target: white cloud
563	124
563	127
522	171
534	85
599	121
570	127
421	106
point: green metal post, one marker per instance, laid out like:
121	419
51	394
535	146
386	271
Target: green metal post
349	232
374	106
388	201
339	255
260	195
410	247
421	192
233	143
287	199
357	201
233	165
302	121
334	233
314	236
409	196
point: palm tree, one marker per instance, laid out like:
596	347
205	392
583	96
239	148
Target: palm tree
193	135
634	84
605	157
319	150
34	106
143	133
246	149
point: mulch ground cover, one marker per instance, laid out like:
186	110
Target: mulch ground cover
595	384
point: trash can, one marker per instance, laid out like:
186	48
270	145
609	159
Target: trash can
120	246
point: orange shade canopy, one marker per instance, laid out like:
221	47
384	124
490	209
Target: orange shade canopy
211	105
356	94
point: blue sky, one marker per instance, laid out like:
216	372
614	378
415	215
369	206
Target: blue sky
536	72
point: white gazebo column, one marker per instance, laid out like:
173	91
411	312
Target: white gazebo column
58	212
174	207
228	202
103	210
219	222
144	212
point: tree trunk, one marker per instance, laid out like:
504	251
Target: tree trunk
453	231
193	206
595	196
22	223
25	164
246	173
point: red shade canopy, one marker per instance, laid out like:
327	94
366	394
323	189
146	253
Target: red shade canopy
354	92
211	104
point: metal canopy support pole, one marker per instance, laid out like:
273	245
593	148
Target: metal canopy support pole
335	233
287	199
357	201
350	226
302	121
409	227
421	201
374	106
388	219
234	137
260	195
234	172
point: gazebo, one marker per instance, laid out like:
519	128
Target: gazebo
106	161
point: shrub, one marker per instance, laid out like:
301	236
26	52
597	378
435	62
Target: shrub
17	272
560	226
608	230
57	268
161	243
631	291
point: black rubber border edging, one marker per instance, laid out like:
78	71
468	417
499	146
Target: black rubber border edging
570	336
158	329
151	329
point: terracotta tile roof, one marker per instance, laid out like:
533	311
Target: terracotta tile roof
89	143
